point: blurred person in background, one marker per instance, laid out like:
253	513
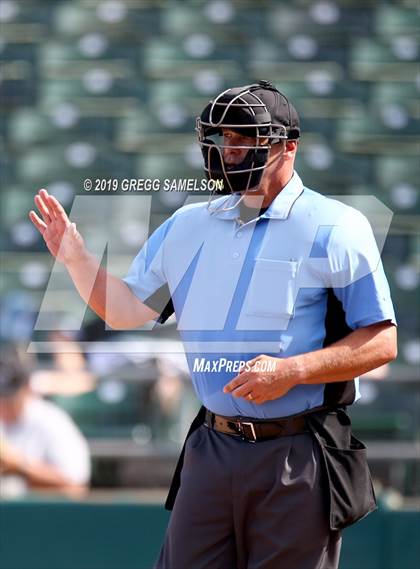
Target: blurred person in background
40	446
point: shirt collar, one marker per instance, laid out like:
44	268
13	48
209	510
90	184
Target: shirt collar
279	208
282	204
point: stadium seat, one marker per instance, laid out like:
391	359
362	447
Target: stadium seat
330	20
182	19
61	123
27	12
165	124
390	133
7	164
19	201
167	58
112	410
372	60
65	67
177	102
173	166
293	71
135	126
399	177
229	24
121	20
325	170
173	171
298	48
17	85
183	90
73	162
391	20
404	94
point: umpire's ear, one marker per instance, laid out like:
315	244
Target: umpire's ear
291	147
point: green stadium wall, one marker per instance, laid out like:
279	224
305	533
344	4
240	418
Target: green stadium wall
73	535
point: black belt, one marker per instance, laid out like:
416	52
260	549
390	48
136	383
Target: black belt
253	430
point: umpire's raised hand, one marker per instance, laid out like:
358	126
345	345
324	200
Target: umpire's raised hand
60	235
107	295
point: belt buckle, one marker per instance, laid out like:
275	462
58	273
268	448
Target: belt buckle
243	436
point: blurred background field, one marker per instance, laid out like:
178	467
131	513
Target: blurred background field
110	89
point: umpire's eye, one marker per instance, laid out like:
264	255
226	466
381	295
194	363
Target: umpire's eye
235	139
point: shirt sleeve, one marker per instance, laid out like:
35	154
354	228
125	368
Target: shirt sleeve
146	275
356	272
159	302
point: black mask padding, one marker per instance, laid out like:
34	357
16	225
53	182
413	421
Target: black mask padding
237	181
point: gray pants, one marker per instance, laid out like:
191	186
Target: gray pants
248	505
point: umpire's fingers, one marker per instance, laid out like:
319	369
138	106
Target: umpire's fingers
244	389
57	209
40	201
236	382
37	221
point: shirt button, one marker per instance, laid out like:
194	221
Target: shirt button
239	234
235	255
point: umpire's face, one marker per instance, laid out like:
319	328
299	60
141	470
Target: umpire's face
277	173
235	147
278	170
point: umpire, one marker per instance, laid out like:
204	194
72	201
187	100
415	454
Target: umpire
281	302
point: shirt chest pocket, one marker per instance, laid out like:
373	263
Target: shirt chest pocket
272	290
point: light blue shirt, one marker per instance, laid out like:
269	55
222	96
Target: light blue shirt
240	290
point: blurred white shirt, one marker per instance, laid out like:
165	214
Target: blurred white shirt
47	434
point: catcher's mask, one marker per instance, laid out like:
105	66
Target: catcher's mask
262	116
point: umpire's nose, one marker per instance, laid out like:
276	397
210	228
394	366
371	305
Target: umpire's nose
232	156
